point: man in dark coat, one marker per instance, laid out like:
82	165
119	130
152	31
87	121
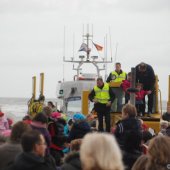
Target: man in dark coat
145	75
33	156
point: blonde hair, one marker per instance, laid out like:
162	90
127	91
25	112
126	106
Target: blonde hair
99	151
75	144
130	110
159	155
140	163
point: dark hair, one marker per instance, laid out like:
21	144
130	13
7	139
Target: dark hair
47	110
118	63
51	103
41	98
27	117
29	139
40	117
139	84
70	122
17	131
142	67
99	79
129	74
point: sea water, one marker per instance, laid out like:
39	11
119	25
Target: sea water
16	108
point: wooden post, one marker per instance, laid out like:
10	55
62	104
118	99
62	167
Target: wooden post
34	87
85	102
168	103
41	84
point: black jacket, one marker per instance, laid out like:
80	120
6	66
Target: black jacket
147	78
129	133
56	130
72	162
29	161
166	116
129	158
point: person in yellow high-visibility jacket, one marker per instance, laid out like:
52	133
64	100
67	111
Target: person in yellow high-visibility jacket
102	96
116	77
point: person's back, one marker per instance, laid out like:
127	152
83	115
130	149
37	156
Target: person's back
58	138
132	147
79	129
127	125
12	147
145	75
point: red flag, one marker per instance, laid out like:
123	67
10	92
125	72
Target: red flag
98	47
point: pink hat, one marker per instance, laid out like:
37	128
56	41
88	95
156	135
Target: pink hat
56	115
1	114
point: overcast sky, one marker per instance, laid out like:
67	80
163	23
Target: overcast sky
31	39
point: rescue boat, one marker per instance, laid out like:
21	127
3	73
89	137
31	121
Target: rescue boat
73	95
75	92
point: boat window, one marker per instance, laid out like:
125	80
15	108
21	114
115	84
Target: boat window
75	106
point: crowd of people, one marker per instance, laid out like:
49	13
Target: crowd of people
50	140
53	141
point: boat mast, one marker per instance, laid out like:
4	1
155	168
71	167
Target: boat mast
87	37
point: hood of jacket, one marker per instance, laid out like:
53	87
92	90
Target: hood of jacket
82	125
72	162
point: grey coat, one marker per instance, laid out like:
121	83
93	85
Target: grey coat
8	152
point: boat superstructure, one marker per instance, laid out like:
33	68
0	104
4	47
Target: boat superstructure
70	92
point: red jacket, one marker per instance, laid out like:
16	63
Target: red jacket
125	85
141	94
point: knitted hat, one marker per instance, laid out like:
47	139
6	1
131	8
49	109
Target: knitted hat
78	116
56	115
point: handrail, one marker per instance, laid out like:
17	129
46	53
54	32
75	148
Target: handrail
156	94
